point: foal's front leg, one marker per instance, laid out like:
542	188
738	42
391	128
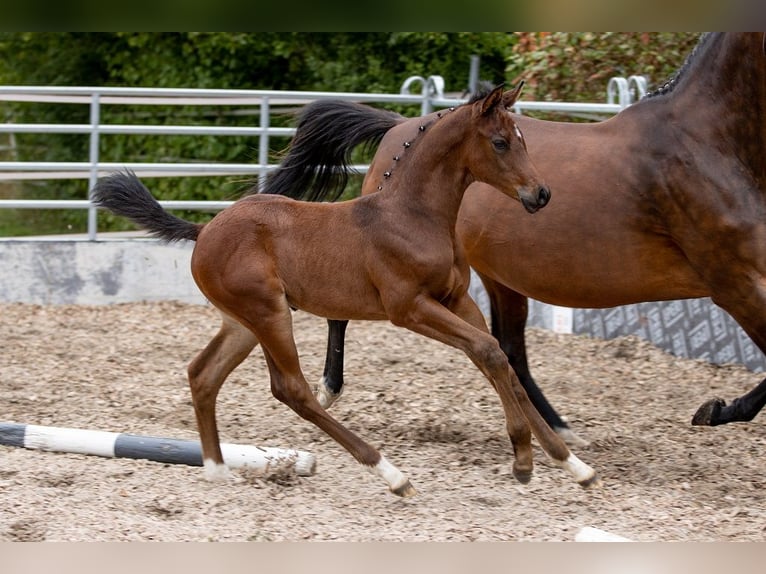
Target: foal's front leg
462	326
426	316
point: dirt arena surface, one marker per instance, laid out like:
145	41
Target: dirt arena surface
122	368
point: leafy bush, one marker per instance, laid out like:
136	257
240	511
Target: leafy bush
576	66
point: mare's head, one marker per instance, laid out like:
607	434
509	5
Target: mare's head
498	154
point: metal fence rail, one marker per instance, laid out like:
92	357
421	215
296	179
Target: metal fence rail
620	93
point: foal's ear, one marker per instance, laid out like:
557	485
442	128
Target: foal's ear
491	100
510	97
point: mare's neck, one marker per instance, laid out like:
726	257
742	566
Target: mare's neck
721	94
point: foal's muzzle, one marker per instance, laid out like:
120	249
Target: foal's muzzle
538	200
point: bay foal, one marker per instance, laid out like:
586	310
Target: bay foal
391	255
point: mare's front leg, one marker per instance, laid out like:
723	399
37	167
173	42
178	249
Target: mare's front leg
331	386
508	320
207	372
462	326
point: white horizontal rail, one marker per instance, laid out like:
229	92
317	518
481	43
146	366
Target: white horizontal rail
206	205
105	167
567	107
145	129
80	170
170	96
96	97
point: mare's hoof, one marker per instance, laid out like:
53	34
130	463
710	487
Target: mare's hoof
405	491
325	396
709	413
592	482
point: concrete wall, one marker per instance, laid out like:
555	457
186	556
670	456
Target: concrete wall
82	272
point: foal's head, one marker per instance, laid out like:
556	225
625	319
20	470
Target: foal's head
497	153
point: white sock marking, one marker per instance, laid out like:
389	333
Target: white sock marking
216	472
324	395
388	472
578	468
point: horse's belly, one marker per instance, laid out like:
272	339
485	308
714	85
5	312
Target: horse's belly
336	295
586	260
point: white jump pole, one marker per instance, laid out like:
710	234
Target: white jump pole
166	450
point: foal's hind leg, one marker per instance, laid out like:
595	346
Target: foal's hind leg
207	372
274	331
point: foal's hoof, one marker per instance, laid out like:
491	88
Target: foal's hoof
592	482
523	476
214	472
709	413
405	491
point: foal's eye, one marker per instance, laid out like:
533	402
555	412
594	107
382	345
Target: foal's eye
500	144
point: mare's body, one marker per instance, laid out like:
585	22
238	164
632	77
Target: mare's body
666	200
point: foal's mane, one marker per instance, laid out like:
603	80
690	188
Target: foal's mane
483	88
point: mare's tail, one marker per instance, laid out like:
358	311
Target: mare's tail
123	194
317	163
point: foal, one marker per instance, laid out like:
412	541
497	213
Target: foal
391	255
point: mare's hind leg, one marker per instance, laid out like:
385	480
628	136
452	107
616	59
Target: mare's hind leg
207	372
330	387
275	333
748	308
509	319
462	326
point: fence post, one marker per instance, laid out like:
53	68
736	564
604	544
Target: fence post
473	75
95	118
433	87
637	87
618	86
263	143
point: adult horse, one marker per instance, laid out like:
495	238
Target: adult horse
666	200
391	255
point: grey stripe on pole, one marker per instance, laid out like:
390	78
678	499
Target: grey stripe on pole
157	449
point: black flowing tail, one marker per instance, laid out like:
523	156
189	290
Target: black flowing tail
317	163
123	194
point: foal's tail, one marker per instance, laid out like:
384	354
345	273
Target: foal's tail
123	194
316	165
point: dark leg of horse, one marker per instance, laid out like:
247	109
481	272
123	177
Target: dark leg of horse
509	319
207	372
742	409
331	385
750	313
463	327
